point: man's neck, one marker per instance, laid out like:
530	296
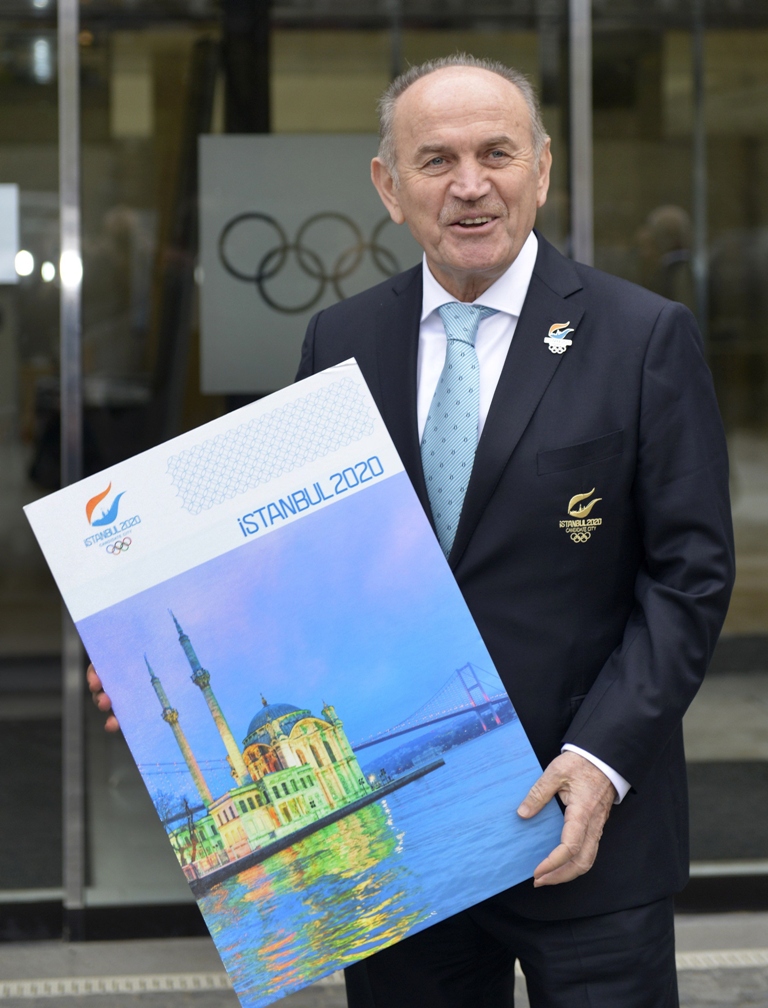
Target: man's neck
466	288
507	289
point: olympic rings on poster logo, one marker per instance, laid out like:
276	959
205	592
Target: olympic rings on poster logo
307	259
581	537
120	546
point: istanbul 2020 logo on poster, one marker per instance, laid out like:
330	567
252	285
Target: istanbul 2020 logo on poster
107	524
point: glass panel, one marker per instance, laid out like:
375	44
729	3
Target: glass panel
737	125
147	91
149	86
144	100
644	111
328	81
736	84
146	94
30	613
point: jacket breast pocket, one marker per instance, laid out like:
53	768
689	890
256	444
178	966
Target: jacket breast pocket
572	456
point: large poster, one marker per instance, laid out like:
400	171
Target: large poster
309	701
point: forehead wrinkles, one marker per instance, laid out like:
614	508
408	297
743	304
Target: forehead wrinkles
458	115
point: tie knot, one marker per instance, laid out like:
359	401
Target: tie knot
461	320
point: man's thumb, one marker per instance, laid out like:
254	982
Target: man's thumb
536	799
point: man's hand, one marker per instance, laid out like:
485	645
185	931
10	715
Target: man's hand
588	796
101	699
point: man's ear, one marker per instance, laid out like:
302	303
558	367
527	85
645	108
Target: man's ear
386	188
545	163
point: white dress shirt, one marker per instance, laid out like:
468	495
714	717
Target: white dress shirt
494	337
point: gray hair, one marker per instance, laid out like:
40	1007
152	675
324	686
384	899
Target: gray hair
400	84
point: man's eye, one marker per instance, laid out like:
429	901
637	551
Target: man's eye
498	154
436	162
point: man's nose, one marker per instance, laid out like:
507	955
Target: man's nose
470	182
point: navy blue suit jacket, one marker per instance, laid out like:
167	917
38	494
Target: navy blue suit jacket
600	641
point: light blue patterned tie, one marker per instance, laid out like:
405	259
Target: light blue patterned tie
450	435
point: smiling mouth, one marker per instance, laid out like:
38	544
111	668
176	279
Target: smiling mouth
473	222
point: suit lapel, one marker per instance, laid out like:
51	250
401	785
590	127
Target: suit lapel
396	334
527	372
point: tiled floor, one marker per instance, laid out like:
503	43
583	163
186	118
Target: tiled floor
196	957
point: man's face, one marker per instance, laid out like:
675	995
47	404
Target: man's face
469	183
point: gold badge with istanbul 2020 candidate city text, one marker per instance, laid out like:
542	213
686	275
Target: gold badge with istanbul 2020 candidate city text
579	525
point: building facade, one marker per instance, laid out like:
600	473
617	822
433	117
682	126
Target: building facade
679	155
294	769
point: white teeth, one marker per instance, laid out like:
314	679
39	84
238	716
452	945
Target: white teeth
475	220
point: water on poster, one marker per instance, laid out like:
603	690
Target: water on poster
377	875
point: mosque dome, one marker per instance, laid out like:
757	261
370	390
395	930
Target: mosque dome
270	713
286	714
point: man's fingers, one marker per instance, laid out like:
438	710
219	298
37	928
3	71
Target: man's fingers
112	724
572	840
566	873
101	699
543	791
588	795
561	855
551	873
576	852
94	683
98	695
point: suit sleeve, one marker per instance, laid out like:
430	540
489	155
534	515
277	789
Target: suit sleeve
683	586
307	362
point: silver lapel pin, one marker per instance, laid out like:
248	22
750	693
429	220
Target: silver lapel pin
556	337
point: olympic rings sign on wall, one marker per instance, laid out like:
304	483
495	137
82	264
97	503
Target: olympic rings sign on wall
120	546
308	260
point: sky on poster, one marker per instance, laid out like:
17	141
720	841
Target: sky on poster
353	605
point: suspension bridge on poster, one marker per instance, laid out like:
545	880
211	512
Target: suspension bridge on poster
468	690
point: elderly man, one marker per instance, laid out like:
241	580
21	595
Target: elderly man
560	428
588	528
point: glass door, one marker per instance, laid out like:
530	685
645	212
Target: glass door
30	613
681	172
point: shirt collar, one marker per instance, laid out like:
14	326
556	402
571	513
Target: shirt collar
505	294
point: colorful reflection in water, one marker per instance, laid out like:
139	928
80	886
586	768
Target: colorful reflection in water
389	869
324	900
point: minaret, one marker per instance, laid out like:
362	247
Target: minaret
171	717
202	678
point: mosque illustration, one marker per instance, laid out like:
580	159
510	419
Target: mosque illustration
295	773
